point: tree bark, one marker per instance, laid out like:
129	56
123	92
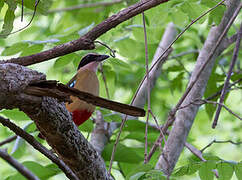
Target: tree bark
186	116
53	121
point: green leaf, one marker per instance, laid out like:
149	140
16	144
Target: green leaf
139	171
19	148
62	61
32	49
137	176
217	14
123	154
208	3
156	175
205	171
136	126
210	157
181	171
191	9
8	19
176	83
225	170
14	49
175	68
86	126
40	171
112	118
238	170
1	5
178	17
15	115
139	136
43	5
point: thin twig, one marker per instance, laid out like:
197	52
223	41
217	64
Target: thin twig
104	80
112	52
184	54
219	92
158	127
226	84
215	141
35	144
22	11
8	140
21	169
148	88
203	101
32	18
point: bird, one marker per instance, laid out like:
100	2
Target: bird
85	80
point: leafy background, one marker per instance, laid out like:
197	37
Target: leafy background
123	75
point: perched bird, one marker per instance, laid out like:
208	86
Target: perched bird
85	80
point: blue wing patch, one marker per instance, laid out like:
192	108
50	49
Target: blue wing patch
73	84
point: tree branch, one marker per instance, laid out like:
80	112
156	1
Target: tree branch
86	42
140	101
215	141
13	162
53	121
35	144
226	83
8	140
62	92
185	117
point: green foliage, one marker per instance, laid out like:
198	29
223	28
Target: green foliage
130	154
8	18
123	75
15	114
42	172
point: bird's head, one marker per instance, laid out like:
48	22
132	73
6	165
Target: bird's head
91	61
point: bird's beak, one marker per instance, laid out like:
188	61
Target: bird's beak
102	57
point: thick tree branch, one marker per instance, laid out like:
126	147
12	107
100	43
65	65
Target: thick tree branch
185	117
86	42
13	162
53	121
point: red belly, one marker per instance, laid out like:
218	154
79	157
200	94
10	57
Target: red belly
80	116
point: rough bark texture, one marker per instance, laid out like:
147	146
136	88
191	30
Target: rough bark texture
53	121
185	117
